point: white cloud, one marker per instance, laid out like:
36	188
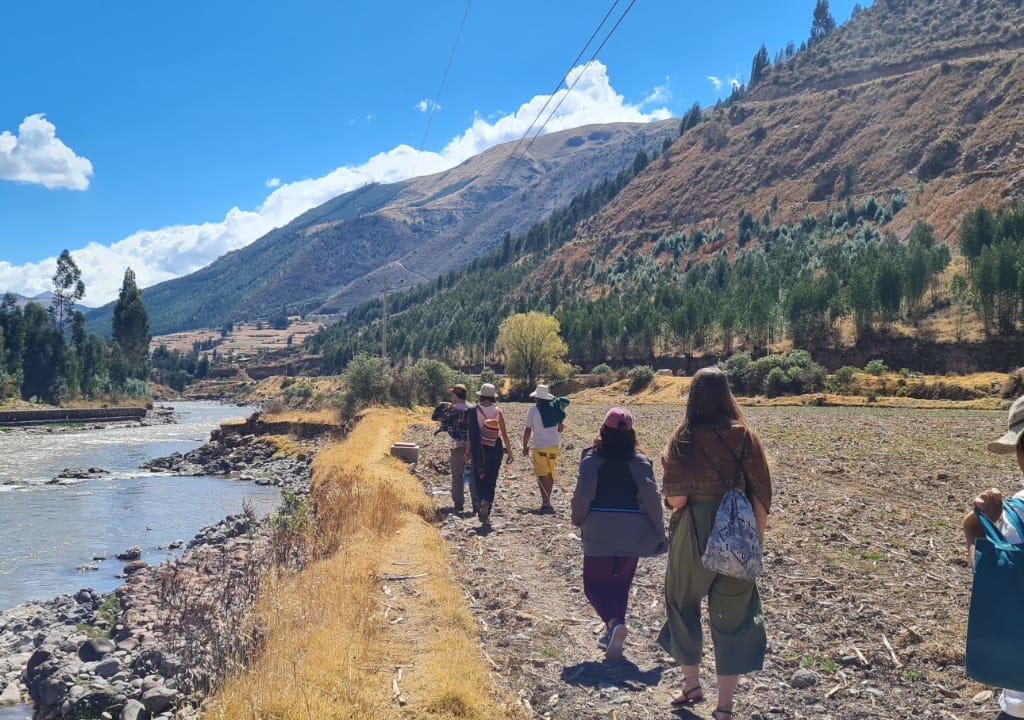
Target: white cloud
158	255
716	81
660	95
273	182
427	104
36	155
734	82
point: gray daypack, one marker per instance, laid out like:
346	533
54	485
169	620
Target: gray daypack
734	546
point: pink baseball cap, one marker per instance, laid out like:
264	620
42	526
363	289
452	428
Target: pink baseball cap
619	419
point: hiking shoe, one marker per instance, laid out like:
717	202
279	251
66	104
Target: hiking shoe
616	641
547	509
606	637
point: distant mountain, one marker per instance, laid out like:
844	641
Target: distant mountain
783	215
336	255
44	298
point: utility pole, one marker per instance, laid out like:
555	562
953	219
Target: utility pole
386	288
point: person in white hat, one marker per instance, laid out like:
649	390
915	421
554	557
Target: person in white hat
990	502
488	443
545	422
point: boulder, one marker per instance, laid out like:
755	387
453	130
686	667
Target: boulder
134	566
10	696
158	699
133	710
132	553
108	668
95	649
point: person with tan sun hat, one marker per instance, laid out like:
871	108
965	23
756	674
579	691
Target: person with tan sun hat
488	442
545	422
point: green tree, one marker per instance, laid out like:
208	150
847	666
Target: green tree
532	346
759	65
68	289
691	118
43	355
822	23
131	327
977	231
889	289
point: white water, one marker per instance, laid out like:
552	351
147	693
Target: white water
46	531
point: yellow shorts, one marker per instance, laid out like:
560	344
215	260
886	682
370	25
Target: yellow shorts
544	461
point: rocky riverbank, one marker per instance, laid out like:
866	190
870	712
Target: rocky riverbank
159	415
153	647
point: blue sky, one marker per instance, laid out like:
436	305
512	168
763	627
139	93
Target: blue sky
173	118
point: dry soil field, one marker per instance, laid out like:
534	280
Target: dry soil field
866	579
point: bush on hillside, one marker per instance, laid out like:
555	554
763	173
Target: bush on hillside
842	380
367	381
406	389
488	375
876	367
432	378
640	377
603	369
797	374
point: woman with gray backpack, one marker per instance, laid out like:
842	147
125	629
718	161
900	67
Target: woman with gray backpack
718	485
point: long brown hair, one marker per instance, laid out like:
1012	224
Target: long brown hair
710	402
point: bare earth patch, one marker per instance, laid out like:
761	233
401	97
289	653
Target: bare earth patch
867	583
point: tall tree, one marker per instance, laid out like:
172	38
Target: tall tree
131	326
759	65
532	346
823	23
68	289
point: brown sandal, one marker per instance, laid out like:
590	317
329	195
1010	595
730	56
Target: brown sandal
721	714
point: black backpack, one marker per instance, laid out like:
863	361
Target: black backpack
452	421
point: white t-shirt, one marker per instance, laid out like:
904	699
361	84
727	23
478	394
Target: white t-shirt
543	437
1012	701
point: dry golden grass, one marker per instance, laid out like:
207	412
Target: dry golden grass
672	391
338	636
309	393
316	417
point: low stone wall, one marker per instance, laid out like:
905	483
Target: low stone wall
64	415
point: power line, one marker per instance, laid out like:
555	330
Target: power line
558	85
440	89
570	88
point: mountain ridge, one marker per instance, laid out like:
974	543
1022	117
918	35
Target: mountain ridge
329	258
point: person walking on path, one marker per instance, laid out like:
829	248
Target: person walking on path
458	432
488	441
708	453
545	422
617	506
990	502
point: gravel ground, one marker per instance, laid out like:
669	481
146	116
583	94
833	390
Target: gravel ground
866	587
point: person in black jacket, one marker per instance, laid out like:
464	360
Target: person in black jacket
617	506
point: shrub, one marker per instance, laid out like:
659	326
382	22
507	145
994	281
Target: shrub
876	367
367	381
488	375
432	378
640	377
776	383
842	380
406	389
872	397
603	369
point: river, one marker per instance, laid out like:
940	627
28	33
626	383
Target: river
47	531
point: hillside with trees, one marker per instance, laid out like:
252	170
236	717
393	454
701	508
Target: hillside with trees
881	214
333	257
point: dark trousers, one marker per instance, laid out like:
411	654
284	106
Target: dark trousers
606	583
486	484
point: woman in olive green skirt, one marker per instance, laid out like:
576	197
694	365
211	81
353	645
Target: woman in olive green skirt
708	453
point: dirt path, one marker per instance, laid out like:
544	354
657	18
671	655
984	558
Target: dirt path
864	554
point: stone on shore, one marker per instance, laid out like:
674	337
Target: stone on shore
134	566
133	710
10	696
95	649
159	698
132	553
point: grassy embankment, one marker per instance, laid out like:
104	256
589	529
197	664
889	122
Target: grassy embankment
378	628
873	391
